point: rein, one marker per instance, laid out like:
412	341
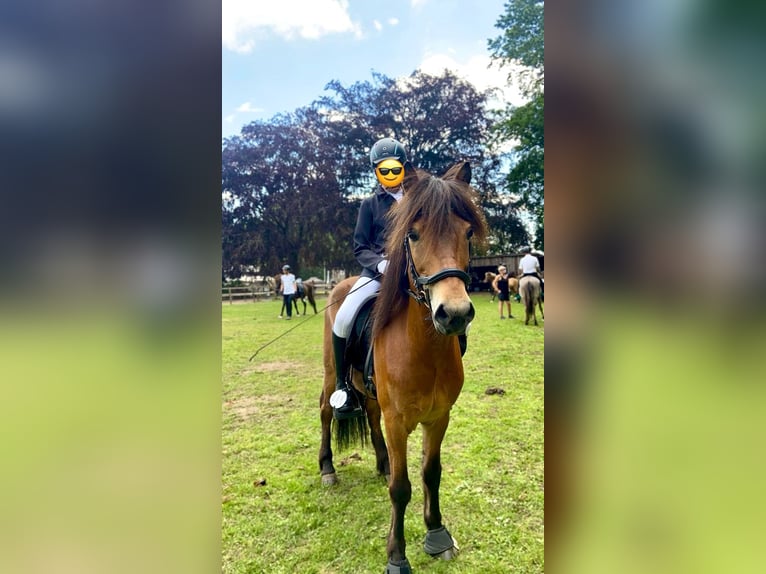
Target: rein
421	293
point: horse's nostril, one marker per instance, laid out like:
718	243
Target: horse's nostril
441	314
471	314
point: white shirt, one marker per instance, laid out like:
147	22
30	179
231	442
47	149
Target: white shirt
529	264
288	284
397	196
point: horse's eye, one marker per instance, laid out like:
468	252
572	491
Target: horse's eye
412	235
469	234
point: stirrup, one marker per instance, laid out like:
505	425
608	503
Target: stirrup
343	405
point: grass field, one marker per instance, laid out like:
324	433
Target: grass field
277	518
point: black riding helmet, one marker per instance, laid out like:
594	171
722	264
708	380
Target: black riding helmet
387	148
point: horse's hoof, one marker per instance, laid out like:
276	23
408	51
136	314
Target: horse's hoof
448	554
329	479
401	567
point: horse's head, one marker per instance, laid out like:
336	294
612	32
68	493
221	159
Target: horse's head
428	247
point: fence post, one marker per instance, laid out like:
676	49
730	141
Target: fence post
230	298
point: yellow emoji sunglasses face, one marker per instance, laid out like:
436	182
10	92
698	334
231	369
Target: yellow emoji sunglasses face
390	173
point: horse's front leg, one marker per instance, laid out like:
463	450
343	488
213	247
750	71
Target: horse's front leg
439	542
400	492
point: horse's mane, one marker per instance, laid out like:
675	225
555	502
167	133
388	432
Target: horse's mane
433	201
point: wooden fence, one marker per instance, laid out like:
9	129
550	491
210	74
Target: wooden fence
259	292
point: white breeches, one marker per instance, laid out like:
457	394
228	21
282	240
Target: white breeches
363	289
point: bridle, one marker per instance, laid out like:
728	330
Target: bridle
421	294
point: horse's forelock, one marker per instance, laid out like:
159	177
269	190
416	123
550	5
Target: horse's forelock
433	202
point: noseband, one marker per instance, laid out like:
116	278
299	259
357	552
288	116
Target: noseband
421	282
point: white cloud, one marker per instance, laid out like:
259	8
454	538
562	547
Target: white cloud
477	71
391	22
242	20
248	108
230	118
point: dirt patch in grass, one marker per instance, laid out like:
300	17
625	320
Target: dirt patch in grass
277	366
247	408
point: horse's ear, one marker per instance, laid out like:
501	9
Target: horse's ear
461	171
410	175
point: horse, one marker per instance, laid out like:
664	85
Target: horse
513	284
489	277
421	311
303	291
530	290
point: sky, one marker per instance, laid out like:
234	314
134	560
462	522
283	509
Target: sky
278	55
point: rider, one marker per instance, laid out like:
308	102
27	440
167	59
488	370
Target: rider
530	266
387	159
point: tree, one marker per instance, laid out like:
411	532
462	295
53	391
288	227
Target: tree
521	48
282	201
522	43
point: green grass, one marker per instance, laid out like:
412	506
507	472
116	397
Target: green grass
492	481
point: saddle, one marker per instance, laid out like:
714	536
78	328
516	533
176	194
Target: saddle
359	345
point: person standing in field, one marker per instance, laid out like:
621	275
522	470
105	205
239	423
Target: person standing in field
287	288
501	286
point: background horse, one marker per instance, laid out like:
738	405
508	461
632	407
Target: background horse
305	291
422	308
529	287
513	284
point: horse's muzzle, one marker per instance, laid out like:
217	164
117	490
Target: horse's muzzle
453	319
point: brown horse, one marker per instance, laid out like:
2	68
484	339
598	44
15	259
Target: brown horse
530	290
305	291
422	308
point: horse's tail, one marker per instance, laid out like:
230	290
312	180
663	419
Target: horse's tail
351	431
529	297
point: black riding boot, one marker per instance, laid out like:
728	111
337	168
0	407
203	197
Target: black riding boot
343	400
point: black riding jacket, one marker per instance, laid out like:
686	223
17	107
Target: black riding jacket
371	230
